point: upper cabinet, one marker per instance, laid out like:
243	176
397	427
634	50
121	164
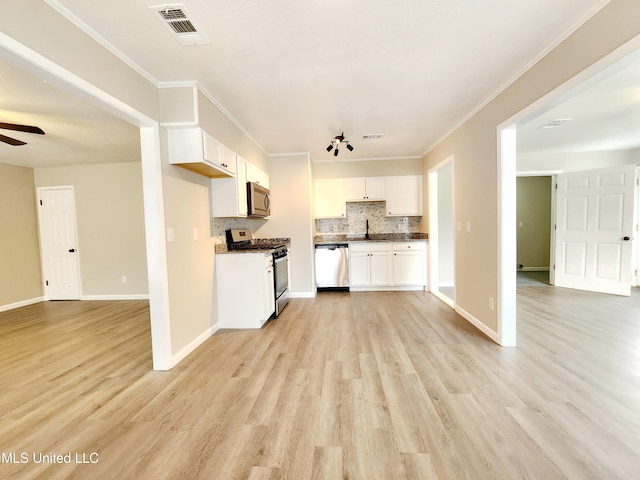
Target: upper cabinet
364	189
255	175
404	195
196	150
329	198
229	195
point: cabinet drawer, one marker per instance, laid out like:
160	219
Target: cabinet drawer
410	246
370	247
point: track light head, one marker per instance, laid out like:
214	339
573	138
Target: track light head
335	153
349	147
330	147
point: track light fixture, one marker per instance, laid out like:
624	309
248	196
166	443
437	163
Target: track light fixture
337	140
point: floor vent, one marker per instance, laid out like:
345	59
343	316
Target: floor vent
183	28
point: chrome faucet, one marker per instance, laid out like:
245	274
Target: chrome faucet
367	234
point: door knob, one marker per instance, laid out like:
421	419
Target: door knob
71	250
626	239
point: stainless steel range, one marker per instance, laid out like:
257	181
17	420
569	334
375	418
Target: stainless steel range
242	239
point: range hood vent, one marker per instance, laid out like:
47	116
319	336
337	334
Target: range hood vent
183	28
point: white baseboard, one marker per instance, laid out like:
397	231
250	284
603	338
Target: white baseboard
389	289
22	303
533	269
302	294
138	296
182	354
478	324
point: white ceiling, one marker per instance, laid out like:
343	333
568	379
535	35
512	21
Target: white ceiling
76	132
293	74
601	114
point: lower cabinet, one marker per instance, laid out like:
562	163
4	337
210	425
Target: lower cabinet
409	263
387	266
370	264
245	291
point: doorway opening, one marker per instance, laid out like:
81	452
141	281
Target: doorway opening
506	164
442	232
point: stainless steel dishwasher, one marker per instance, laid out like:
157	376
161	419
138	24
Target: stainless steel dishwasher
332	266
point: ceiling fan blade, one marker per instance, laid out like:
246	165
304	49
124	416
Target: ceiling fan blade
22	128
11	141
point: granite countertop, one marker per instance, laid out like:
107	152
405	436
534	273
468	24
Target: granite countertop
373	237
222	247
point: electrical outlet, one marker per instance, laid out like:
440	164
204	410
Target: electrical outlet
195	234
170	237
124	279
492	305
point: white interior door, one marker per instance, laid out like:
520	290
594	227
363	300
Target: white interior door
58	243
594	230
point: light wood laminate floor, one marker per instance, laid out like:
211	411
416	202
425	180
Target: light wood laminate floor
364	386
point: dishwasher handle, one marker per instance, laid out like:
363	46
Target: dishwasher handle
332	246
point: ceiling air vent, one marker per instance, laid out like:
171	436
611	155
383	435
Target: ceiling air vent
178	22
372	136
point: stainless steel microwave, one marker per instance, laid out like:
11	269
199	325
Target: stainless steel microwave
258	202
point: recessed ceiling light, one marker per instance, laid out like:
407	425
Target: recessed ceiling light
555	123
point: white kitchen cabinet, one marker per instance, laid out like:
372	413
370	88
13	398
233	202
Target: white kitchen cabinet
409	264
196	150
370	264
364	189
404	195
256	175
244	289
229	195
329	198
227	157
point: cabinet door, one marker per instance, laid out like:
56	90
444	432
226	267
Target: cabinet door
375	188
270	296
241	186
255	175
380	268
354	189
329	198
409	268
358	269
212	149
229	195
404	195
228	159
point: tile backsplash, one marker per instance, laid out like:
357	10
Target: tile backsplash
357	215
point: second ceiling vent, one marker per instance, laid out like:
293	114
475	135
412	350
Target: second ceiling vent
176	19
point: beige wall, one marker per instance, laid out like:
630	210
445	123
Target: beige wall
20	275
290	183
36	25
110	224
573	161
474	145
533	214
191	263
217	124
369	168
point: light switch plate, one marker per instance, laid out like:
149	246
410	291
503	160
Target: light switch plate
170	235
